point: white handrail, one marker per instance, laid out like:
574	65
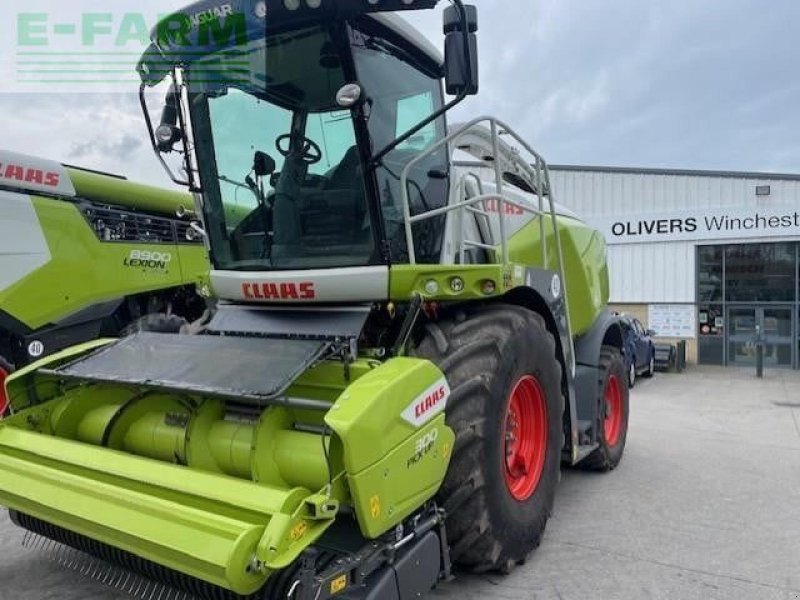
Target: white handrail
537	174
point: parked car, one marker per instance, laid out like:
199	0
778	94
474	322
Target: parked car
640	353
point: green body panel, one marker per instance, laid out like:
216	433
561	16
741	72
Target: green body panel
84	271
387	484
585	270
367	416
585	265
127	194
403	480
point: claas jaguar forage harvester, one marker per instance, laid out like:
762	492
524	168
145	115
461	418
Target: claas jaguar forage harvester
411	336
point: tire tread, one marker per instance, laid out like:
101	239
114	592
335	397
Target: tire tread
469	349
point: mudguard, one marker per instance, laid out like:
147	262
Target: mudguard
606	331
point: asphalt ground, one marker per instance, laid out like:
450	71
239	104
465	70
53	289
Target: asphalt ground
705	505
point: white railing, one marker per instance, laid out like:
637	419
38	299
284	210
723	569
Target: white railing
502	158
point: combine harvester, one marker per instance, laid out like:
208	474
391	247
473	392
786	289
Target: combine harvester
403	355
86	254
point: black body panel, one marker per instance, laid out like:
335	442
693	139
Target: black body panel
246	370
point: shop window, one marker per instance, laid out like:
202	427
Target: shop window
709	273
760	273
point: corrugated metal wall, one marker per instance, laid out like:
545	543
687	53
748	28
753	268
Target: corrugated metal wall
652	273
659	272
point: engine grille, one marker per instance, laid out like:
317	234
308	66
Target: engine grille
114	225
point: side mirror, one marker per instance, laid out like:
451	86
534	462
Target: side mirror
461	51
652	333
168	132
263	164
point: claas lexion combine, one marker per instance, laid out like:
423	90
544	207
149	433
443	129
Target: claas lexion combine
411	335
85	254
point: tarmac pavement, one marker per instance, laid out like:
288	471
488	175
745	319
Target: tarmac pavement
705	505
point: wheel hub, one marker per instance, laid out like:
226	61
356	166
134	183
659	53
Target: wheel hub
613	411
525	438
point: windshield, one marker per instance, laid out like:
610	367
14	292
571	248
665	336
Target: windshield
403	92
280	167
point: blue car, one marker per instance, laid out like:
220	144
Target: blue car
640	352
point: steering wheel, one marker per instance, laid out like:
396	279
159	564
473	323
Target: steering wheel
311	153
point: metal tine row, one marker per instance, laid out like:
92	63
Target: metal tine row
109	575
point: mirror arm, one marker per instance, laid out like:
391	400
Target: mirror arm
151	131
191	174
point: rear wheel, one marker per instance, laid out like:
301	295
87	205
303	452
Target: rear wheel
506	408
613	413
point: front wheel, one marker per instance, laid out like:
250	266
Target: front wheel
613	414
506	409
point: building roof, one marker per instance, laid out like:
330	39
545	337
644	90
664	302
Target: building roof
680	172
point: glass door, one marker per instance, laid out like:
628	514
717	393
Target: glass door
775	327
776	323
742	331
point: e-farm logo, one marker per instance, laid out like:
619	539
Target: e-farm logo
90	48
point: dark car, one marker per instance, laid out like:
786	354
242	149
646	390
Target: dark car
640	353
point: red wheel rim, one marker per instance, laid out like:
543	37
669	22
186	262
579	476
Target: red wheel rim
3	398
613	408
525	438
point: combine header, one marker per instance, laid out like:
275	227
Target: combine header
412	336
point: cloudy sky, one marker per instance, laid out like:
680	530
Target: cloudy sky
673	83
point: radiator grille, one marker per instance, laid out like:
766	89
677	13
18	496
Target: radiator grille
114	225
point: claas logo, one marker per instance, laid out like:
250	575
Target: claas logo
430	402
29	175
279	291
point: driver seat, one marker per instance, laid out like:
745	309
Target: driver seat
338	211
347	174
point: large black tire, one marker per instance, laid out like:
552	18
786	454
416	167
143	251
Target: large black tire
484	353
612	369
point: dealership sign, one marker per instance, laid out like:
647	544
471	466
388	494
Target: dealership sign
707	224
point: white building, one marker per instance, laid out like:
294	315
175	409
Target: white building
709	257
